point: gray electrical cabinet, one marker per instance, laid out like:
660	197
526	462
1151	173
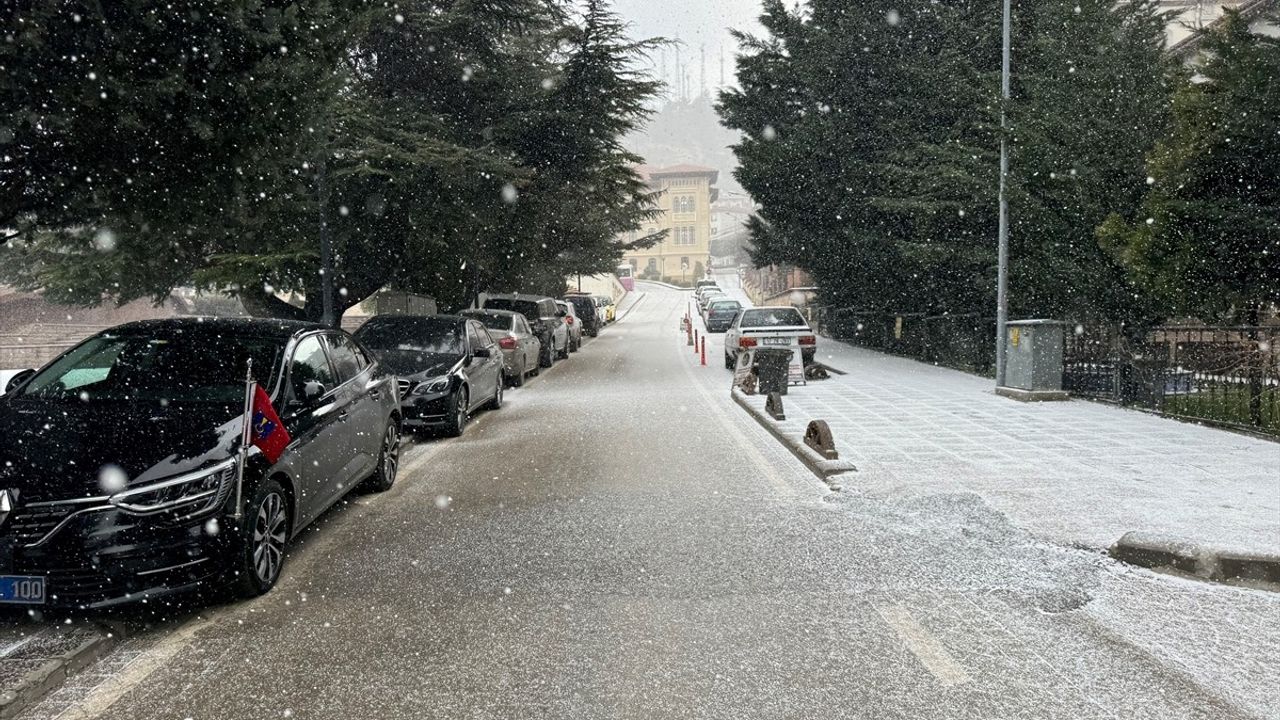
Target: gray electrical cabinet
1033	360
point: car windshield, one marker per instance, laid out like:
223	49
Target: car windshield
167	368
415	335
722	305
772	317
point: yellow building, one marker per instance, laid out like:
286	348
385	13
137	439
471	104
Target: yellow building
687	194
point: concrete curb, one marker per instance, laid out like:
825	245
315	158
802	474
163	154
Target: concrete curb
826	470
622	316
1164	552
38	683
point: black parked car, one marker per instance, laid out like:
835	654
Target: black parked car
118	460
448	367
588	313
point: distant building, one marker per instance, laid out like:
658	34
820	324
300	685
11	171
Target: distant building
687	194
1185	31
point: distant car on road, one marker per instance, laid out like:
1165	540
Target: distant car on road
701	292
544	317
573	323
705	282
520	347
448	367
779	326
710	295
588	313
122	486
719	314
610	309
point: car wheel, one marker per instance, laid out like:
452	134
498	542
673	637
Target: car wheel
496	402
729	362
517	379
548	357
384	476
457	420
564	351
263	535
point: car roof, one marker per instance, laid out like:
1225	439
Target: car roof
473	312
201	325
723	300
518	296
416	318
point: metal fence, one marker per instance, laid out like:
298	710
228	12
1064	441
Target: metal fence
1224	375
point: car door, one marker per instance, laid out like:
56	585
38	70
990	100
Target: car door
362	400
529	343
481	372
312	418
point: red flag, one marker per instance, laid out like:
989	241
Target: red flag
269	434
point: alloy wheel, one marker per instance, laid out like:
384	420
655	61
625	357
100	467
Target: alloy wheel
269	538
390	455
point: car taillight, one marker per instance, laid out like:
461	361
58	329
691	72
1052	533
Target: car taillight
569	319
808	340
507	343
746	342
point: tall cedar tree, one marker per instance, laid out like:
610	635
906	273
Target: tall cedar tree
1206	241
872	136
416	145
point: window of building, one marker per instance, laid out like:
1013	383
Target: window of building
685	235
682	204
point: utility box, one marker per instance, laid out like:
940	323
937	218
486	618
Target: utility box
1033	360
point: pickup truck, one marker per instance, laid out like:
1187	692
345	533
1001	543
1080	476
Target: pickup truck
781	326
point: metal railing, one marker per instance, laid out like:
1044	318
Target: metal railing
1222	375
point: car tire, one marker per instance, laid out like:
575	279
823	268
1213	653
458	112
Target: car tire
548	356
564	352
730	362
517	379
457	420
384	475
264	535
496	402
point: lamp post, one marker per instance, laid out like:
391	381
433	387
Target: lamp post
1002	268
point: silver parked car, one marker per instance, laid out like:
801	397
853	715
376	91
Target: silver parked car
520	347
572	323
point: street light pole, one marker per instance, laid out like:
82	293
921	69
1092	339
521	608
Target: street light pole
1002	270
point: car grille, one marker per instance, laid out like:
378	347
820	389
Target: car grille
31	524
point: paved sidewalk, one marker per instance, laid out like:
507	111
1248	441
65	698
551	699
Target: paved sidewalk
1077	472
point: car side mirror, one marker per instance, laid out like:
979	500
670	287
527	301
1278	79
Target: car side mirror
312	391
17	379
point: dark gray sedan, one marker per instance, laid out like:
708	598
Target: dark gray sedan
520	347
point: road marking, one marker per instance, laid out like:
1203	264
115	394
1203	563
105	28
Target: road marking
924	646
14	646
105	695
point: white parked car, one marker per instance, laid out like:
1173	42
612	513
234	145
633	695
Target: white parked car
780	326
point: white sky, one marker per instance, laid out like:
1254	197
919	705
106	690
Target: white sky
696	23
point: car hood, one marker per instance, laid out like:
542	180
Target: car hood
58	450
413	365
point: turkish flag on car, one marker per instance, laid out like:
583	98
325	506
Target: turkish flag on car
269	434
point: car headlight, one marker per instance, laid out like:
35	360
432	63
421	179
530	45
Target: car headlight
193	493
432	386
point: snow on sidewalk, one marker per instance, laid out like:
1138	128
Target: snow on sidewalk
1078	472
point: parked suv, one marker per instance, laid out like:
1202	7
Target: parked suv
545	318
588	313
118	468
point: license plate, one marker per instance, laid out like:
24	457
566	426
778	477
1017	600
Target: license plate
777	341
21	589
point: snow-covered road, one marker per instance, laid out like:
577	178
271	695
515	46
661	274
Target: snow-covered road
622	541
